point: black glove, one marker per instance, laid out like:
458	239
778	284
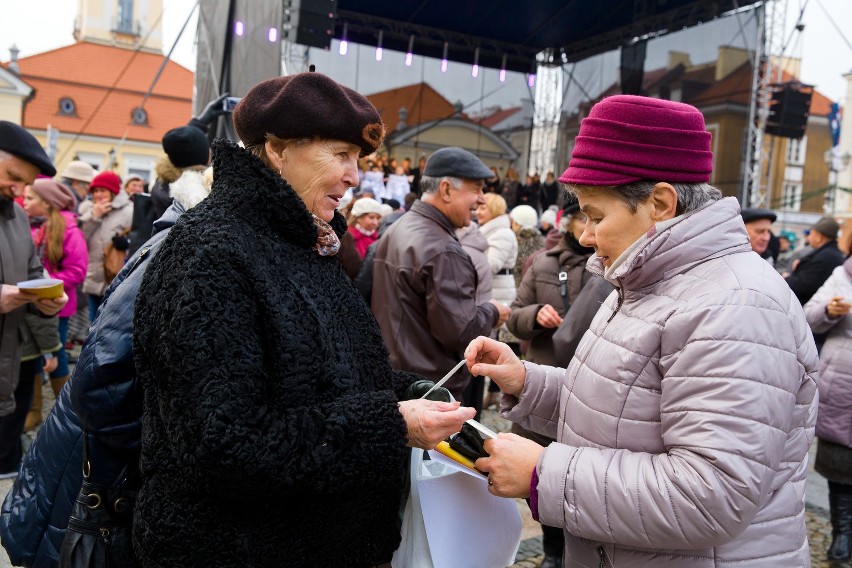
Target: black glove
213	109
469	443
120	243
418	388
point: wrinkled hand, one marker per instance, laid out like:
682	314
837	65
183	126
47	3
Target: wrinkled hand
504	311
837	307
547	317
12	298
213	109
430	422
101	208
51	306
495	360
49	366
510	464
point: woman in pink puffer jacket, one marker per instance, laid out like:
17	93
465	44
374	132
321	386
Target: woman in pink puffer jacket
684	419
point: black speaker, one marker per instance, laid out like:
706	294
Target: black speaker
315	22
789	110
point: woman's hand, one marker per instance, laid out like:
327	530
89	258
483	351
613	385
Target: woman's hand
837	307
51	306
101	208
510	464
430	422
547	317
495	360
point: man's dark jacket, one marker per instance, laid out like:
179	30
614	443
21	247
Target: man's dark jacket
814	269
271	433
424	296
35	512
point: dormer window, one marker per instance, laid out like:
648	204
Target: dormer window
139	116
67	107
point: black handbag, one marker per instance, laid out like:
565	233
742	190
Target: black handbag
99	530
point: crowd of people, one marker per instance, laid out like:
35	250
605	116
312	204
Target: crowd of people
253	377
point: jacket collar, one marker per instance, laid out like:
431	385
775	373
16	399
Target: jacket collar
246	187
674	246
495	224
430	212
566	256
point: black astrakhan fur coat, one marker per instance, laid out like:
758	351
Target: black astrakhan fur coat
271	434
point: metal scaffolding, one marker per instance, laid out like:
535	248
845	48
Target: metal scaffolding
766	66
546	115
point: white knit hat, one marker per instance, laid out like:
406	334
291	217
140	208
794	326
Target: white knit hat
366	205
525	216
549	217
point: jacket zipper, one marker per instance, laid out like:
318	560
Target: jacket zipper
620	301
604	559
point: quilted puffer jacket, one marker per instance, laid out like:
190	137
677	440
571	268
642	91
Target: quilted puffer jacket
685	417
834	422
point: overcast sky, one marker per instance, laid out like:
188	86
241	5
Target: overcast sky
40	25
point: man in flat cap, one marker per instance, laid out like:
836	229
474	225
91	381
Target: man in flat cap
811	271
424	283
758	224
21	160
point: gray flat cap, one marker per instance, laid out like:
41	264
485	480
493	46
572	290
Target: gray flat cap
456	162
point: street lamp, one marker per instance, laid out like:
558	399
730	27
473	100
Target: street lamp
836	163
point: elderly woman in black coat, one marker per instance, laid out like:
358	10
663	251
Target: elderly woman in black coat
275	432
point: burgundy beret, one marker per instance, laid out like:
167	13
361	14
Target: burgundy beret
308	105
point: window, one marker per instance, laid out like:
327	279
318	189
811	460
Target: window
67	107
139	116
791	196
140	165
124	19
796	151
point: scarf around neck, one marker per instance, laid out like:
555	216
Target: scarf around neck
327	242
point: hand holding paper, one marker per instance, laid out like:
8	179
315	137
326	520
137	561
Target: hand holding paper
495	359
430	422
510	464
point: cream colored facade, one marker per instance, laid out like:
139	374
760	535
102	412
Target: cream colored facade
844	177
124	23
131	158
13	93
424	139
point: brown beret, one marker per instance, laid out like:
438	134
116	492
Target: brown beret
308	105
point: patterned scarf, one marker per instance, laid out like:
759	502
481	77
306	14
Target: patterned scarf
327	242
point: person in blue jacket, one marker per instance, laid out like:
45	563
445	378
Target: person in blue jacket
35	513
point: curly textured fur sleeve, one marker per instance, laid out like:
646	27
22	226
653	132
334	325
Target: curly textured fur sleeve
252	391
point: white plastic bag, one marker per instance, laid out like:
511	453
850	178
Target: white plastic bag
452	520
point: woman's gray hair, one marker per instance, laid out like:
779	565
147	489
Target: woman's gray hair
690	196
430	184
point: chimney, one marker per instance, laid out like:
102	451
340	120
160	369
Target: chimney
13	63
403	118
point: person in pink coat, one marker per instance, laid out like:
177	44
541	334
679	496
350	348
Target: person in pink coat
683	420
62	249
364	223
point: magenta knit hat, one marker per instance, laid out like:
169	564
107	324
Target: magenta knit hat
106	180
627	138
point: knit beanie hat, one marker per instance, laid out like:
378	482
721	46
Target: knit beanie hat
308	105
78	171
548	216
628	138
187	146
826	226
366	205
106	180
525	216
55	194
